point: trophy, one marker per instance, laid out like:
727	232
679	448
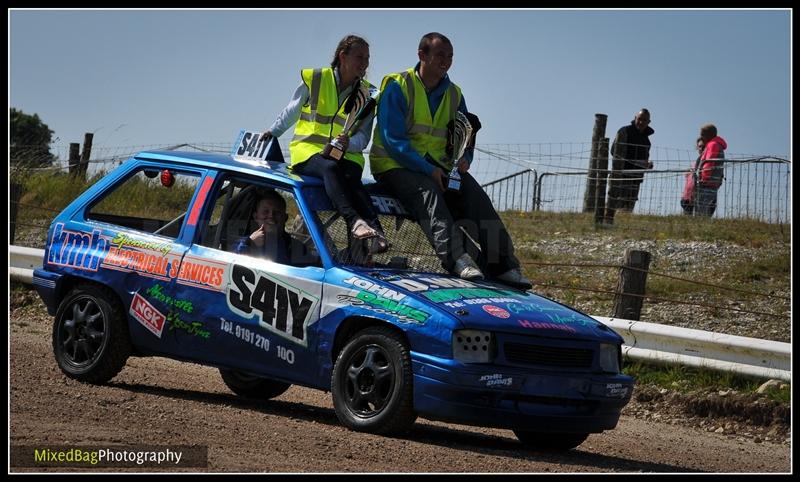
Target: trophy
459	138
359	106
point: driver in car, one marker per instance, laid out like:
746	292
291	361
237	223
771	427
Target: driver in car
269	238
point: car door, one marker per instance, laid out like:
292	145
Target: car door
256	315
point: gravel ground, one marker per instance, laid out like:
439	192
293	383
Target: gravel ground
156	401
738	416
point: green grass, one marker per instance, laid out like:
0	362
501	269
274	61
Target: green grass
686	379
143	197
137	197
762	269
51	191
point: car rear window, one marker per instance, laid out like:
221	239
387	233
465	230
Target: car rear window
151	200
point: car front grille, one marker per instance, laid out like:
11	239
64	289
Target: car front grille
555	356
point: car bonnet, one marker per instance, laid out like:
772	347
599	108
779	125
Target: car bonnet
484	305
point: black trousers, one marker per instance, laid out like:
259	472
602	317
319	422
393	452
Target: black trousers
443	215
623	192
344	188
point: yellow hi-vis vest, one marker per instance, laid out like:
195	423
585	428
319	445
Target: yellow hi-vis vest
321	119
427	133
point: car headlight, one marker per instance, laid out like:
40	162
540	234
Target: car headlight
473	346
609	357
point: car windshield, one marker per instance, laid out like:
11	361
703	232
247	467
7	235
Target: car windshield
410	249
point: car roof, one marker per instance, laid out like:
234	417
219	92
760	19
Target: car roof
275	171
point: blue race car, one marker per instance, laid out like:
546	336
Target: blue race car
146	262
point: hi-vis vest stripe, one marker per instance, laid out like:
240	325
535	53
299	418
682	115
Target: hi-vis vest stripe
427	133
321	119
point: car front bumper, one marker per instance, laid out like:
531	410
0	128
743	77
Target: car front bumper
518	398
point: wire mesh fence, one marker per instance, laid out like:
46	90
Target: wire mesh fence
550	177
555	178
104	158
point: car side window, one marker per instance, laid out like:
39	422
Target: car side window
152	200
261	221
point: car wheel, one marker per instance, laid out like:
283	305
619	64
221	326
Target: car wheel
550	442
91	342
252	386
372	383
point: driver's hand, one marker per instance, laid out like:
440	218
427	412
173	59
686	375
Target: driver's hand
258	236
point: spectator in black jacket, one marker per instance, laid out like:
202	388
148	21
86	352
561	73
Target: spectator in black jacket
630	151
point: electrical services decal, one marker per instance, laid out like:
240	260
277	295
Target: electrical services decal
151	258
148	258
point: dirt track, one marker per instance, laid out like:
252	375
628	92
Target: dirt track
158	401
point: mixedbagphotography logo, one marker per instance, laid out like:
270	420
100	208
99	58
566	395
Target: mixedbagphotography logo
109	456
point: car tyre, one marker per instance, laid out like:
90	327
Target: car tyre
550	442
252	386
372	383
91	342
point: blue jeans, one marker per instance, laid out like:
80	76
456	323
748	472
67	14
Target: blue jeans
705	201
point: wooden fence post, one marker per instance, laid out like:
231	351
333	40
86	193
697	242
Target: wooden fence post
631	282
598	133
16	194
87	151
74	157
600	184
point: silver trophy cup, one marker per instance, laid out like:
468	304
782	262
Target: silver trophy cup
358	100
459	138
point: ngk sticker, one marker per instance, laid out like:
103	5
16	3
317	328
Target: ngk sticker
147	315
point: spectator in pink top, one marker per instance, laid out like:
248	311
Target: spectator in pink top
707	174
